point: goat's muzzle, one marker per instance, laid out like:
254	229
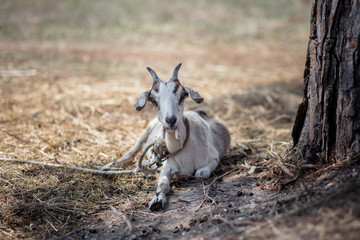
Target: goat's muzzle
171	123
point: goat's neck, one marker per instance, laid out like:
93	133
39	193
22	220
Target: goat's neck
175	139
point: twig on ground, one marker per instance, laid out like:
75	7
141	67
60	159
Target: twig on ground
206	193
125	218
284	169
209	187
51	225
297	176
202	202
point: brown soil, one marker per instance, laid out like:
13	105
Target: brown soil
244	207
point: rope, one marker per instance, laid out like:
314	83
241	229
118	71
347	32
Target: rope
54	165
160	149
163	157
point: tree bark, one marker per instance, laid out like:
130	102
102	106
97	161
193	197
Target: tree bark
327	125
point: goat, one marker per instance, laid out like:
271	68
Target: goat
195	142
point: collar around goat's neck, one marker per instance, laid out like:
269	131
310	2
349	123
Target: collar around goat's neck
187	128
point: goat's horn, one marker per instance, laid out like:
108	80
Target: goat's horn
176	70
153	74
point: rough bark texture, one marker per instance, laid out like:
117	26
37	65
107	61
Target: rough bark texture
327	125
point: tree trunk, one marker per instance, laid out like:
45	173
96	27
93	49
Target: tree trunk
327	125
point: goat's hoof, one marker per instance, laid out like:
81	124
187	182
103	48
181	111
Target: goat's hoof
158	202
202	172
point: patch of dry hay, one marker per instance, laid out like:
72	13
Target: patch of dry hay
82	115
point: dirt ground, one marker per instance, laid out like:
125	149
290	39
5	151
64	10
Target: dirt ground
244	208
69	76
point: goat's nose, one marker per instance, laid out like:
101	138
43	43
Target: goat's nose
171	121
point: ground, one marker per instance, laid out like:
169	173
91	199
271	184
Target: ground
78	73
244	207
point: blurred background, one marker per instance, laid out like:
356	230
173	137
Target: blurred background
87	59
71	70
199	22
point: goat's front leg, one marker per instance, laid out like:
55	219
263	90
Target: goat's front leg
129	156
163	188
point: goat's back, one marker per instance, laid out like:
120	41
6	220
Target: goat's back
221	137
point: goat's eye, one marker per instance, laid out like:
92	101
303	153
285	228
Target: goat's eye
183	96
153	101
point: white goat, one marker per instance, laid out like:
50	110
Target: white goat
196	142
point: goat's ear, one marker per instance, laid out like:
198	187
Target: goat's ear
141	101
194	94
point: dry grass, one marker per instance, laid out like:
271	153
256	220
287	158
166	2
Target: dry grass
81	118
77	108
